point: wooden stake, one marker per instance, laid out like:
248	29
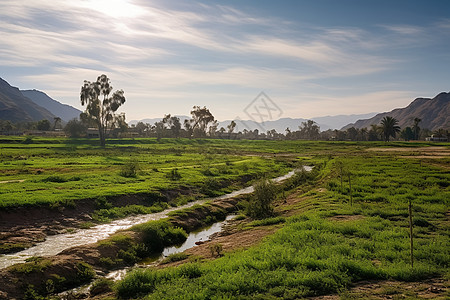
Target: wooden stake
411	234
350	185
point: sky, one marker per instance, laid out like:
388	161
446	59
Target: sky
309	58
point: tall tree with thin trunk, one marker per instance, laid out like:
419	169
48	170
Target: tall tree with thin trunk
416	128
101	104
57	120
389	127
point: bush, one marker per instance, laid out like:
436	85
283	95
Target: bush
54	178
160	234
130	169
260	205
100	286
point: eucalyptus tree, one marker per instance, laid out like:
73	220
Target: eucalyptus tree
101	104
389	127
198	125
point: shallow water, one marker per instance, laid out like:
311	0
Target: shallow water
54	244
202	235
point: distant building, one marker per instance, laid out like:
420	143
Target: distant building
434	138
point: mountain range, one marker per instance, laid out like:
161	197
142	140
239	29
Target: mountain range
64	111
31	105
15	107
434	113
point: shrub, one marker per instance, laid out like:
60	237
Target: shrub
159	234
85	272
100	286
260	205
130	169
54	178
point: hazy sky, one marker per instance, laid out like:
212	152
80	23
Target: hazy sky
312	58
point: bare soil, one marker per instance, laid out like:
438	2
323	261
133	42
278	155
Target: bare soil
419	152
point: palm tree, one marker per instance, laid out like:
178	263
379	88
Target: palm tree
389	127
57	120
416	128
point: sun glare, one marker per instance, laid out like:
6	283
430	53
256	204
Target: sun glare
114	8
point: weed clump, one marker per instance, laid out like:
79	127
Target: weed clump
174	175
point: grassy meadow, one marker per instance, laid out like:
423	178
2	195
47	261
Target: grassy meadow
331	241
346	223
46	171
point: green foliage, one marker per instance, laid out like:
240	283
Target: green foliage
31	294
75	128
107	214
84	273
174	257
35	264
102	203
28	140
260	205
130	169
100	286
159	234
174	175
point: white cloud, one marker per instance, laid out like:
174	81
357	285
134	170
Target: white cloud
315	105
205	52
404	29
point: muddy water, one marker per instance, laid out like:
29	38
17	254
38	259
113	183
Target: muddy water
57	243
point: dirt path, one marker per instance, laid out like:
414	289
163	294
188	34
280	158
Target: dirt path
12	181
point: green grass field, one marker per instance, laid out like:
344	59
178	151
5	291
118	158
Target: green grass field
329	245
324	246
49	171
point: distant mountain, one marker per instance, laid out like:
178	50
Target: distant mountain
64	111
435	114
15	107
336	122
280	125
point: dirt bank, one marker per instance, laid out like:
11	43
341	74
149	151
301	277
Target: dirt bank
23	227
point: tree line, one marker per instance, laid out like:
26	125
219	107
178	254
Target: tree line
101	114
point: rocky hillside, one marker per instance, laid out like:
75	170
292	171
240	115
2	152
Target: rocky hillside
435	114
15	107
64	111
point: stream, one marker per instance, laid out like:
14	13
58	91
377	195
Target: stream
201	235
56	243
